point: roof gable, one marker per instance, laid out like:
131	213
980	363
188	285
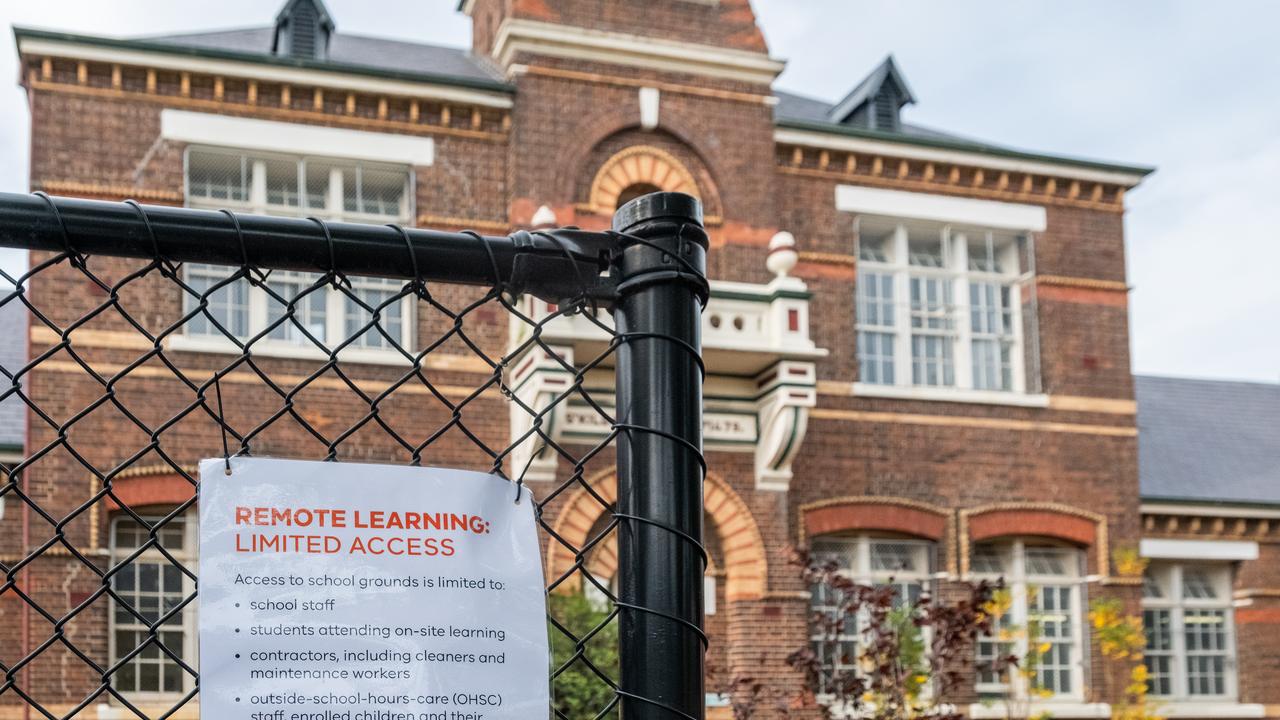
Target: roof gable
303	29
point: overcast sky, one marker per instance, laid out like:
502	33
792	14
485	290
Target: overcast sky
1189	86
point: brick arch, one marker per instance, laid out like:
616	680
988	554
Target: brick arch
639	164
1031	519
584	159
742	546
881	514
150	485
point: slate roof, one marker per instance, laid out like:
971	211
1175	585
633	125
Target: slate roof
13	353
346	49
801	108
1208	440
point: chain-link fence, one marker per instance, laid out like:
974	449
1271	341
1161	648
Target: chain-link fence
160	336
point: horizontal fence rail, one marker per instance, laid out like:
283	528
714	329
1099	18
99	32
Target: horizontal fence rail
545	263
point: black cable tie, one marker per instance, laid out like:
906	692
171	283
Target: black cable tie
222	423
72	255
244	251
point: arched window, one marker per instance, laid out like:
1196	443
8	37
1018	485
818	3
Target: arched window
1043	617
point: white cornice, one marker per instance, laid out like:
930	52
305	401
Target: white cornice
906	149
1210	510
259	71
519	35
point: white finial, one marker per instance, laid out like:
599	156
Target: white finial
545	217
782	254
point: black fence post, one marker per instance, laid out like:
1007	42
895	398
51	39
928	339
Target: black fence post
660	271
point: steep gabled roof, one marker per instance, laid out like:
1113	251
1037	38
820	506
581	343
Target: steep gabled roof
869	88
1208	441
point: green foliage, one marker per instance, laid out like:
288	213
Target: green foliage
912	652
578	691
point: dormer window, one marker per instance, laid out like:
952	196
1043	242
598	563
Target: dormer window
303	30
877	101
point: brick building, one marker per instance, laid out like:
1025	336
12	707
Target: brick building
917	345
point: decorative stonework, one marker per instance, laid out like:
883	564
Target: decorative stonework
218	93
915	517
1079	282
1206	524
745	566
639	164
99	191
758	355
928	176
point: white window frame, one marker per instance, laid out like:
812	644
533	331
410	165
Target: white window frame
335	307
188	556
1177	606
957	277
1020	583
856	550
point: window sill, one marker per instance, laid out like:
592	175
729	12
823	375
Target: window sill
276	349
932	394
1207	709
153	705
1056	708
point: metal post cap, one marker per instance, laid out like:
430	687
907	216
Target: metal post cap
654	206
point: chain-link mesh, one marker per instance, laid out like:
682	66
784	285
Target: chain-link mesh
136	370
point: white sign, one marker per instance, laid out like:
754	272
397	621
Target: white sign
336	591
716	427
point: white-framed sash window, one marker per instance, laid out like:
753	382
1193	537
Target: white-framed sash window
939	307
906	565
322	317
1187	615
151	585
1046	591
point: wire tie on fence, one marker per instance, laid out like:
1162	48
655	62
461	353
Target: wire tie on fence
413	256
520	480
244	251
334	276
222	423
62	225
493	261
146	223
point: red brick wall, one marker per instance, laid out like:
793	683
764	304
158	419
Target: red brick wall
727	23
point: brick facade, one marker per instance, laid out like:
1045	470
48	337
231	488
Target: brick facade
953	473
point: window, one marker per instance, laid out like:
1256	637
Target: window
939	306
904	564
1186	612
1044	613
147	588
321	317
